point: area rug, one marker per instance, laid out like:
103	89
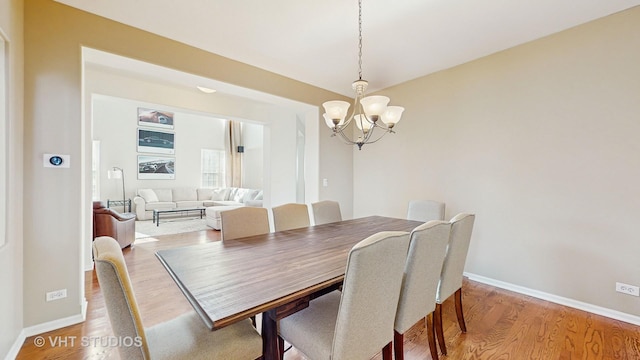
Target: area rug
146	228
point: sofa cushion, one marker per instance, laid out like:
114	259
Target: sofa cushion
239	195
232	193
164	195
148	195
259	196
184	194
188	204
220	194
204	193
160	205
250	195
226	203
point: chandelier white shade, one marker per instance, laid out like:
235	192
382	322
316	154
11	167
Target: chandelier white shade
369	113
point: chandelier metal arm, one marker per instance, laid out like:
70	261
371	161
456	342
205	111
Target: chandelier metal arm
380	115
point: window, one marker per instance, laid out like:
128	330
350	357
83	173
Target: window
213	165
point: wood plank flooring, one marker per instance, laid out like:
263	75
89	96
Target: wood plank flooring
500	324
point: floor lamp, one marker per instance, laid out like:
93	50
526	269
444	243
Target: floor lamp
118	173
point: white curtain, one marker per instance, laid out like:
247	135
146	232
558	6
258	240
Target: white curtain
233	139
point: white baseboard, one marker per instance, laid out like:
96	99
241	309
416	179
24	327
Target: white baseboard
42	328
53	325
594	309
17	345
45	327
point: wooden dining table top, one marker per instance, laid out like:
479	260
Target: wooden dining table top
227	281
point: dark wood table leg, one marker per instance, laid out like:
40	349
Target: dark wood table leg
270	336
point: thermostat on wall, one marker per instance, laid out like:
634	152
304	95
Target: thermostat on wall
56	160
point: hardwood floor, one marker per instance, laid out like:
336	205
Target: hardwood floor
500	324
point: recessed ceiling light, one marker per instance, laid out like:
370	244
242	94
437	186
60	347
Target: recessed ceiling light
206	89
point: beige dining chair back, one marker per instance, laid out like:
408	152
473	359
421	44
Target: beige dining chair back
290	216
325	212
357	322
243	221
425	210
427	249
184	337
452	272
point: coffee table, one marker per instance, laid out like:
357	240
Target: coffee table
185	211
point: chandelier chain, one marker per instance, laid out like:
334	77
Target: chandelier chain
360	39
369	114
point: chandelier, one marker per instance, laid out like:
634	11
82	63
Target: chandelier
369	114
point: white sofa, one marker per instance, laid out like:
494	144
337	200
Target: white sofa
148	200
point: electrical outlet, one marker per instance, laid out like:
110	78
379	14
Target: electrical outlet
57	295
627	289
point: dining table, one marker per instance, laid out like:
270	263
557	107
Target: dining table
274	274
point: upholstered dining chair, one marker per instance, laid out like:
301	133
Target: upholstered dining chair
326	211
290	216
452	270
425	210
357	322
243	221
427	248
184	337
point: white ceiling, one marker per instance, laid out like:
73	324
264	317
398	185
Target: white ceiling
316	41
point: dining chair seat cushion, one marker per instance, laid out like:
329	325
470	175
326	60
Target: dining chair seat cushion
361	321
318	319
186	337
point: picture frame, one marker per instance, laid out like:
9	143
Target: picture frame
156	141
155	118
156	167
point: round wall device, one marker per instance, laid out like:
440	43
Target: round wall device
56	160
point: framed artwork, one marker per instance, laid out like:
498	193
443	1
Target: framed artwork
155	118
156	141
152	167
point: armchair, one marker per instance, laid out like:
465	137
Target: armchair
107	222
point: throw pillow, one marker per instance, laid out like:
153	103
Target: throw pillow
148	195
250	195
219	194
239	195
164	195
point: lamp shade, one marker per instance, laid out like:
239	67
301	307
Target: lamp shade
336	110
329	121
374	105
362	123
392	115
114	174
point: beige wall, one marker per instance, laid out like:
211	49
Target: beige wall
541	142
11	14
54	34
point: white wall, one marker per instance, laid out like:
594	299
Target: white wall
253	157
541	143
115	125
11	254
277	161
56	119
